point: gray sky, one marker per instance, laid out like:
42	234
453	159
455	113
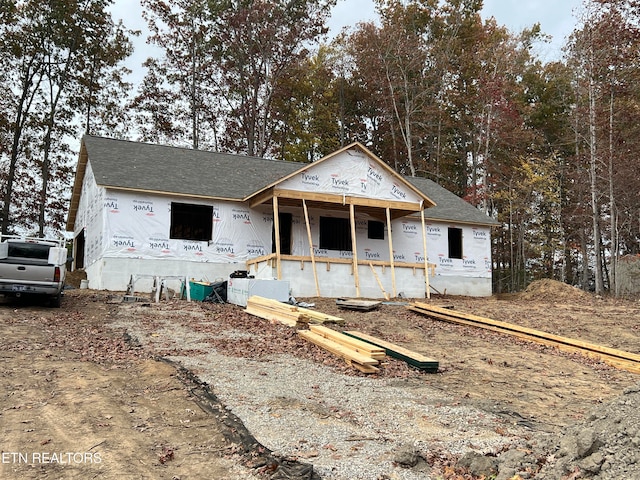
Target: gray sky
556	18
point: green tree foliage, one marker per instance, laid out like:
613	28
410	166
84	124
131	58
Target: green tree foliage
603	56
223	63
306	107
177	99
49	50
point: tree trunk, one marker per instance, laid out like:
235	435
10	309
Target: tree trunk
613	214
595	211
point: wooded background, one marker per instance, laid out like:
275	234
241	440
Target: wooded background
549	149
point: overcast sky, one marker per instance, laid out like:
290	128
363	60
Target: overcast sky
556	17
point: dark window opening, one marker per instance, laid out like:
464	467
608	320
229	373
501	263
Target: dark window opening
375	230
191	222
285	220
455	242
335	234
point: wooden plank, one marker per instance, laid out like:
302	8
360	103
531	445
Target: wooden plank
272	316
384	292
426	258
509	327
355	344
356	304
270	309
311	252
276	228
276	310
415	359
354	247
616	358
391	257
336	348
363	368
270	302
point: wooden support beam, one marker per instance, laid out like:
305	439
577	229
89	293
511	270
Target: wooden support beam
276	226
311	252
354	248
426	260
261	198
347	200
384	292
391	257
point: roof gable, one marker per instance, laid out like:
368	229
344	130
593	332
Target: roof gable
354	171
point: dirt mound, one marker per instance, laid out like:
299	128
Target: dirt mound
602	447
547	290
73	278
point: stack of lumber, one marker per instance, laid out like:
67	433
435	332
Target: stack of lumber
415	359
616	358
291	315
359	354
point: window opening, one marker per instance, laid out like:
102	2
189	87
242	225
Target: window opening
191	222
455	242
375	230
335	234
286	221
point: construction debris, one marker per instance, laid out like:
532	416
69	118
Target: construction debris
415	359
354	304
288	314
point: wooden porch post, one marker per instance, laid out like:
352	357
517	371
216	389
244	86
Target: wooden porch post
426	261
276	226
391	259
352	216
313	256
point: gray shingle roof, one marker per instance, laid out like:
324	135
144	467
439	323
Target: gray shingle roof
449	206
156	168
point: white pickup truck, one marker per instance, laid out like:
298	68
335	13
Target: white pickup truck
32	266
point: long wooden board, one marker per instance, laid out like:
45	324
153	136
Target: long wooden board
291	315
357	360
617	358
414	359
355	344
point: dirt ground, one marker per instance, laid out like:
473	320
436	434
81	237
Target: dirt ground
82	399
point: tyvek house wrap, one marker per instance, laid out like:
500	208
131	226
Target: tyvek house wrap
137	226
351	173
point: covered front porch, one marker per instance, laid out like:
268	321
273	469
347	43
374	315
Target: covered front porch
345	272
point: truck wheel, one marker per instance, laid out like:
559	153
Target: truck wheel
56	300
